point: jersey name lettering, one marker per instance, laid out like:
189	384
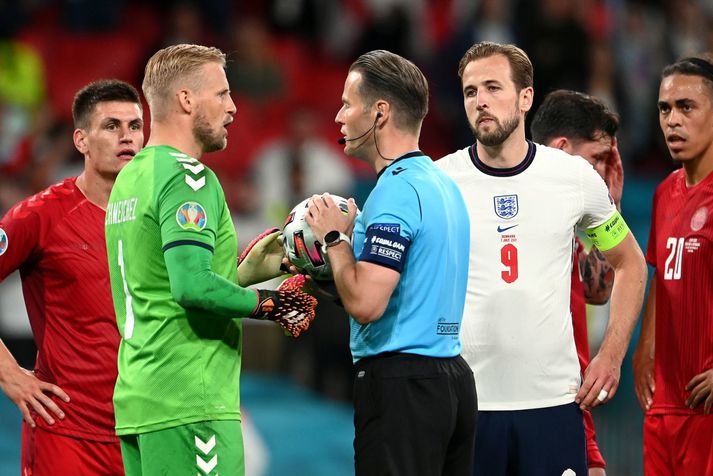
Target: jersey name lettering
121	211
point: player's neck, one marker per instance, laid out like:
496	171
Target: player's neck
506	155
164	133
95	188
698	169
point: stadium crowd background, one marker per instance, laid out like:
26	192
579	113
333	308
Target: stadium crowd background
287	64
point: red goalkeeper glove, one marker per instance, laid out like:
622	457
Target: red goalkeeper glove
289	306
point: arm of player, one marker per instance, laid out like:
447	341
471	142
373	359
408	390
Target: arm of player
19	233
597	273
261	259
643	361
604	370
701	388
597	276
27	391
364	288
195	285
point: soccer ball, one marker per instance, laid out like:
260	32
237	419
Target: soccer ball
302	248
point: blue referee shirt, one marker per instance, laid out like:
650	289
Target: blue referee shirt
415	221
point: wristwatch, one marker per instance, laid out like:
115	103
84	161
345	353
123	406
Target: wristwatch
333	238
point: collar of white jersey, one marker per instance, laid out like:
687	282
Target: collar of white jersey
505	172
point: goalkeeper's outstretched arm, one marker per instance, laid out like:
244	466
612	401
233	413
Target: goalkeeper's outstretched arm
195	285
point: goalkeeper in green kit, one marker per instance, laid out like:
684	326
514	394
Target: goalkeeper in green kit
178	294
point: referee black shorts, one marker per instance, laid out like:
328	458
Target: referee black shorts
414	416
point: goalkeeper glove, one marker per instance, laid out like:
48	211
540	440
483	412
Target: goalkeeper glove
289	306
262	259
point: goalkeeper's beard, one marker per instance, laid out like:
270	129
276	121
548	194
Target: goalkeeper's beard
203	133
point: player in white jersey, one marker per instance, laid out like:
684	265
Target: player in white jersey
524	201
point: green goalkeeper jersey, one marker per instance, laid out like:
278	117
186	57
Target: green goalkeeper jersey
176	365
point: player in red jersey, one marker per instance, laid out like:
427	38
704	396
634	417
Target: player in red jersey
582	125
673	362
56	239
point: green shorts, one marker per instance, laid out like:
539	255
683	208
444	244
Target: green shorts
203	448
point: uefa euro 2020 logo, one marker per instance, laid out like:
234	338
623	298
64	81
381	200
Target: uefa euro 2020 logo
3	241
191	216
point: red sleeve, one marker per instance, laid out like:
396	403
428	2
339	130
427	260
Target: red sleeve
19	236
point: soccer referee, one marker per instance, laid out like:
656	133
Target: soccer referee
403	282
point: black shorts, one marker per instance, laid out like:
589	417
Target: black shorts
413	416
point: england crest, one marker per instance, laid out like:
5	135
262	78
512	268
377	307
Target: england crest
505	206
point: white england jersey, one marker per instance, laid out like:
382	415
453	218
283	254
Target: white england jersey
517	328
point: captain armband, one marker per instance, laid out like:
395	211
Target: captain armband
610	233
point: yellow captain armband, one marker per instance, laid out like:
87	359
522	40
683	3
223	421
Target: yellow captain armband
610	233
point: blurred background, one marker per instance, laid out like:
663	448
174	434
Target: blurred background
287	64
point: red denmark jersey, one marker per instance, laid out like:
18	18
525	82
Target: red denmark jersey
578	308
56	240
681	249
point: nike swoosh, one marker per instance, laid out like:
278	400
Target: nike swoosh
500	229
397	171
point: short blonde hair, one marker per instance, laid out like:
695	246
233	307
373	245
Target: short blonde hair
170	64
